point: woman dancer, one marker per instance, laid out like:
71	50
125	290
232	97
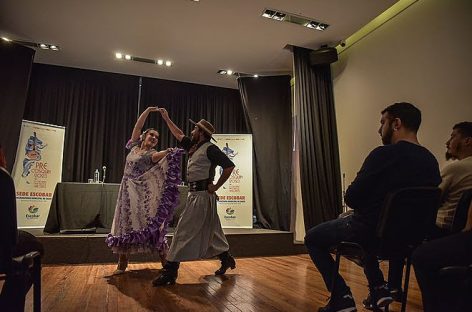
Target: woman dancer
147	197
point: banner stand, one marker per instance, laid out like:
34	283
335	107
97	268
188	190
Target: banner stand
37	170
235	196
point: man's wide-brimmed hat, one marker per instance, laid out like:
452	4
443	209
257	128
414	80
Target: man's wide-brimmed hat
205	126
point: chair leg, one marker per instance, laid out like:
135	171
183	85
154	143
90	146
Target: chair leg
37	285
405	286
335	273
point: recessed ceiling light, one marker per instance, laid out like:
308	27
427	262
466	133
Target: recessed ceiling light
229	72
222	72
268	13
294	19
43	46
160	62
279	16
6	39
128	57
256	75
54	47
168	63
118	55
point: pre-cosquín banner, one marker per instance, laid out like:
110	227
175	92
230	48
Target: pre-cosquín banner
37	170
235	196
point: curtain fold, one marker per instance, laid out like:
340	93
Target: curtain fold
267	107
15	69
319	153
98	110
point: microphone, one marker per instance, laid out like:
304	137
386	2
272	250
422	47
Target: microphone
104	168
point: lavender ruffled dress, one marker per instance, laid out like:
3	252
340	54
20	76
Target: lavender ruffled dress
146	201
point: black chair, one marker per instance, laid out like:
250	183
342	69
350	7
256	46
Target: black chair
460	216
405	219
29	263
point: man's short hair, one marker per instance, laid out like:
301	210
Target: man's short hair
407	113
464	128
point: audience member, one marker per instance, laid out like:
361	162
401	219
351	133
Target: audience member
402	162
13	243
443	293
456	178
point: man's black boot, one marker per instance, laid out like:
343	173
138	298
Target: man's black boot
168	274
227	261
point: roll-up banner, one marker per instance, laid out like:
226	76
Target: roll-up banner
235	196
37	170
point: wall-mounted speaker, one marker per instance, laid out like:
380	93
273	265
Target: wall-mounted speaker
323	55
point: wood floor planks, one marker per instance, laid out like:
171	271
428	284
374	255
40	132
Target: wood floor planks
286	284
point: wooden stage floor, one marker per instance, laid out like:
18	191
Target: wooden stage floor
285	283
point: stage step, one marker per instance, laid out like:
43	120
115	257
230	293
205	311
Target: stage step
91	248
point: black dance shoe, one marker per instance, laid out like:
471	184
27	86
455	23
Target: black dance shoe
227	261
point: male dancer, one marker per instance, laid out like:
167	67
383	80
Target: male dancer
198	233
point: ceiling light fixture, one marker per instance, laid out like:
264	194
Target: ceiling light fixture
128	57
229	72
294	19
43	46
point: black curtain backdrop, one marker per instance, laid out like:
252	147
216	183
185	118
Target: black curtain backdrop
15	69
98	110
220	106
319	154
267	106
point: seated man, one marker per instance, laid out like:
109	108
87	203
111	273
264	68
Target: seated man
441	293
13	243
456	178
402	162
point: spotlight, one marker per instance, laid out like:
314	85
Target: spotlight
160	62
54	47
6	39
229	72
168	63
268	13
278	16
128	57
118	55
43	46
222	72
256	75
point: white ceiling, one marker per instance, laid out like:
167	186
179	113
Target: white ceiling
199	37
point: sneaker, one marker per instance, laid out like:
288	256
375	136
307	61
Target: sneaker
344	304
382	296
396	295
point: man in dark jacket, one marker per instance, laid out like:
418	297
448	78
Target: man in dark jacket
401	162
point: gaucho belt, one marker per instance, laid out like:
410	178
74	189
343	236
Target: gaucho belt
195	186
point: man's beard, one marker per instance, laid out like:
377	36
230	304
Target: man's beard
387	138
